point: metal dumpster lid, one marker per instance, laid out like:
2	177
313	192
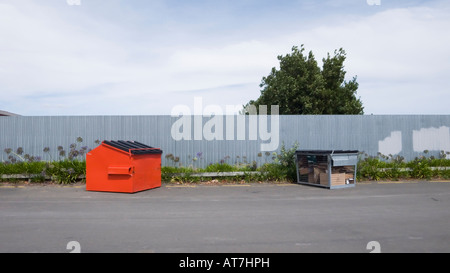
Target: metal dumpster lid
133	147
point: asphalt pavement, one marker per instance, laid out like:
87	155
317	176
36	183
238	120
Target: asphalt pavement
400	217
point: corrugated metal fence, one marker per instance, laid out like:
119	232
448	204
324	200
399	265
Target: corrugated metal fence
199	141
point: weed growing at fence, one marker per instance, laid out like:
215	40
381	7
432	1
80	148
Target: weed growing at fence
282	168
68	168
395	167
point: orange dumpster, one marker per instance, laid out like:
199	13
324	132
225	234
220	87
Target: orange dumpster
123	166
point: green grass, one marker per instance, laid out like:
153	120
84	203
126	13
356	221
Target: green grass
395	168
71	167
63	172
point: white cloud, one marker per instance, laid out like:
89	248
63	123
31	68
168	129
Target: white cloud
390	44
400	57
63	60
50	54
234	63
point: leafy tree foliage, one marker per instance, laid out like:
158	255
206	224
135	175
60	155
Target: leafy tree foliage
301	87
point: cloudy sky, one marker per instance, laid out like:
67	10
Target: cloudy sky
144	57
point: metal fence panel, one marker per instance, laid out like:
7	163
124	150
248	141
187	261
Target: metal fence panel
405	135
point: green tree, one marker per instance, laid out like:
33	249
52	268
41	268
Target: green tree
301	87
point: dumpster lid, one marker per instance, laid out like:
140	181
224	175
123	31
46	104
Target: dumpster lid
344	159
133	147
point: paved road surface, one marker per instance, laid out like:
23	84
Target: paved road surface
401	217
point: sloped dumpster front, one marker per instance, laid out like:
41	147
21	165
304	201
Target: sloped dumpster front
327	168
123	166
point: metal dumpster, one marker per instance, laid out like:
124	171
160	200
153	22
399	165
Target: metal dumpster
123	166
327	168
